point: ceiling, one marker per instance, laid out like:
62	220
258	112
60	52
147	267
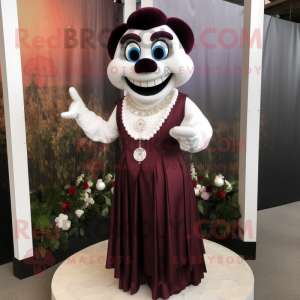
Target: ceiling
240	2
284	9
287	9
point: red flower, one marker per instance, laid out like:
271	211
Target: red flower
194	184
66	206
113	182
72	190
200	177
85	185
221	194
210	188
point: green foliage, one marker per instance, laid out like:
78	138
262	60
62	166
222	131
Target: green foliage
49	207
225	211
105	212
218	208
107	200
42	221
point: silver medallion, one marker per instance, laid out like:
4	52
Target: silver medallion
140	125
139	154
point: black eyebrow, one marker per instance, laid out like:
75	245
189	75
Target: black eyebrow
130	36
160	34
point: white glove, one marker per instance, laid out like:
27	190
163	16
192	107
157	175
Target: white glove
94	126
184	130
187	134
77	107
194	132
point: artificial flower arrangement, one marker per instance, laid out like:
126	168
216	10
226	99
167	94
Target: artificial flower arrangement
60	213
217	199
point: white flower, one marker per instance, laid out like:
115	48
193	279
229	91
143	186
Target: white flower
197	193
79	179
219	181
62	222
90	200
79	213
107	178
193	173
68	224
63	217
84	196
112	190
229	188
88	190
198	186
85	205
90	183
86	200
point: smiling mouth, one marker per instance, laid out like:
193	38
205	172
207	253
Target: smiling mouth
149	88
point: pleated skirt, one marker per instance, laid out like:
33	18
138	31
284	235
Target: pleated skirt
155	229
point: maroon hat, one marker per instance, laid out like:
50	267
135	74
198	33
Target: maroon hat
148	18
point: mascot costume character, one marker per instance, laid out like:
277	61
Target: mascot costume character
154	233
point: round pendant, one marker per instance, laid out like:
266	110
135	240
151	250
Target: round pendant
140	125
139	154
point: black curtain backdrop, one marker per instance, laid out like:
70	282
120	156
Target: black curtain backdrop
279	159
216	88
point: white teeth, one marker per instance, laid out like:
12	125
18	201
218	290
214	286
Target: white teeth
158	81
151	83
164	77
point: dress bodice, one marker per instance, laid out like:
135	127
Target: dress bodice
161	144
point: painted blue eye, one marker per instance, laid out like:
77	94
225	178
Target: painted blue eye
133	52
160	50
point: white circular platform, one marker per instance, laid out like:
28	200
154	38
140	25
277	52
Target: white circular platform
83	276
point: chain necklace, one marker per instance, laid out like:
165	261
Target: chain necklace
140	153
149	111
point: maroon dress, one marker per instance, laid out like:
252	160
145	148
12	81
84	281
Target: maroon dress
154	233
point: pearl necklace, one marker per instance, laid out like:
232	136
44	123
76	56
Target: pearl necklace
140	153
148	111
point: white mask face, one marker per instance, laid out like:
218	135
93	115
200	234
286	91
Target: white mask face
148	69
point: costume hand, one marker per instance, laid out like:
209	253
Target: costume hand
184	131
76	106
